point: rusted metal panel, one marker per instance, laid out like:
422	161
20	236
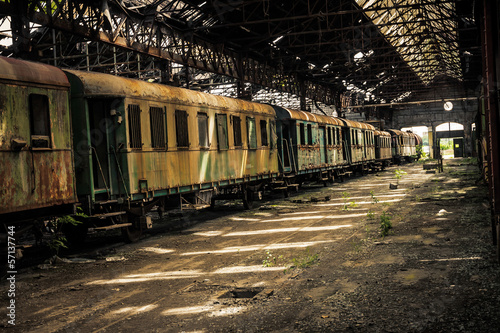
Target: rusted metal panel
34	177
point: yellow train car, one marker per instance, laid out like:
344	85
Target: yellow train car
138	144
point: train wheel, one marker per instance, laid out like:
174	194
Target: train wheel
131	234
212	202
247	199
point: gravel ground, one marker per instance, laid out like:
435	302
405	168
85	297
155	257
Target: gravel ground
314	264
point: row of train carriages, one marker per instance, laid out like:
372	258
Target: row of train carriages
108	149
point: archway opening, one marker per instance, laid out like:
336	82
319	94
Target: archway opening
450	139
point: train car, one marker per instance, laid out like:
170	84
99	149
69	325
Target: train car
383	153
140	144
403	145
359	140
310	145
36	166
400	145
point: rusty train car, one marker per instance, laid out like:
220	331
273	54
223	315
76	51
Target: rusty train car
117	147
404	145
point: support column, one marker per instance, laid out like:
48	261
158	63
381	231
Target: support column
303	105
21	41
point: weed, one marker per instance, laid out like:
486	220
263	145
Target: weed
58	240
304	261
385	224
398	173
348	204
270	260
370	215
374	198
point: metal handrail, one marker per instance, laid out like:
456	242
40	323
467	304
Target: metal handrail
102	173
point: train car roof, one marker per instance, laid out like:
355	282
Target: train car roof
357	124
398	132
308	116
382	133
107	85
31	72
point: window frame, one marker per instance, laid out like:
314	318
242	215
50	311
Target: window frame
182	138
222	141
157	127
39	139
237	135
251	133
264	133
204	118
134	126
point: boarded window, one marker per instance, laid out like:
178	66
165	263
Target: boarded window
339	138
302	134
157	121
181	129
263	133
222	132
237	131
40	121
134	126
252	133
203	130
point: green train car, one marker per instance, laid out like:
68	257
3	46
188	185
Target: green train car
36	154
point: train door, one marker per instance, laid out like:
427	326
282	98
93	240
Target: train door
100	125
364	143
346	144
286	147
322	145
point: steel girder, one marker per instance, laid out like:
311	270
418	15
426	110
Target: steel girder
110	23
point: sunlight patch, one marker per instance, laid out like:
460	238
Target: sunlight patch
246	269
135	309
227	311
257	247
208	233
157	250
272	231
188	310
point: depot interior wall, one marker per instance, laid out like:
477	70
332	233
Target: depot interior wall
434	114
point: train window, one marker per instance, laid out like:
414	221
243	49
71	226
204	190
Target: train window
339	138
309	135
302	134
329	130
203	130
157	122
134	126
40	121
181	129
222	132
237	131
263	133
272	125
252	133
